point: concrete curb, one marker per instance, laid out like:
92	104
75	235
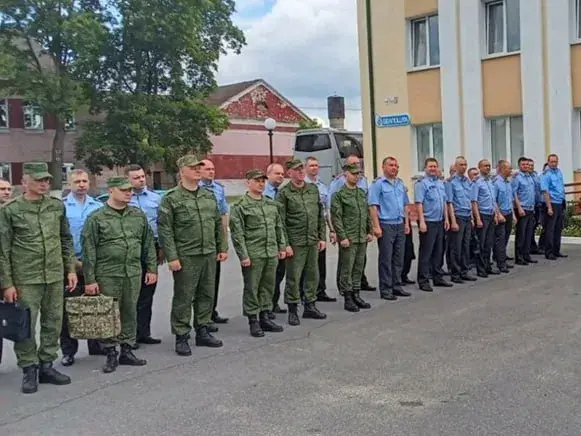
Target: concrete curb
566	240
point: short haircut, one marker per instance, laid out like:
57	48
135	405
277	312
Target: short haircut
271	167
429	160
523	159
388	158
552	155
473	169
76	172
312	159
132	167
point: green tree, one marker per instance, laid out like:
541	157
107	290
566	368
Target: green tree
159	70
49	52
310	124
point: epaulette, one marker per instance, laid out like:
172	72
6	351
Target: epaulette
172	190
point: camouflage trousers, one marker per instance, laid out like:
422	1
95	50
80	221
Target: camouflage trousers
126	290
304	261
259	282
193	286
46	301
352	264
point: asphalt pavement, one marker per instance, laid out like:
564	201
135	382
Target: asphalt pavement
497	357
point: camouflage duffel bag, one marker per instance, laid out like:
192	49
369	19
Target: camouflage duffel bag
93	317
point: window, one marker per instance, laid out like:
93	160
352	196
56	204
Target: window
349	144
33	118
312	143
503	26
5	172
4	114
425	43
506	139
577	19
429	143
70	121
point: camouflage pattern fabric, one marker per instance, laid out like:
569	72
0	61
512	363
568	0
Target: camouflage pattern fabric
93	317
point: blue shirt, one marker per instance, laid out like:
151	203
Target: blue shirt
431	193
538	193
504	197
458	190
77	214
148	201
338	183
219	192
270	190
390	197
323	191
483	193
553	183
523	187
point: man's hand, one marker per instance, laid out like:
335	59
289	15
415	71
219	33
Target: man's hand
282	255
72	281
321	246
92	289
446	225
245	262
377	232
333	238
150	278
521	211
479	223
369	237
344	243
289	252
454	227
423	227
174	265
221	257
160	256
550	211
10	295
407	229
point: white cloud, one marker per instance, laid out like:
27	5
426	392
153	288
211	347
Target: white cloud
307	49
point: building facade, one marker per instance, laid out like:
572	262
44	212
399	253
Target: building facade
494	79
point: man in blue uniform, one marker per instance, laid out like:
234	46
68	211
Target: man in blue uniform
553	189
505	200
523	188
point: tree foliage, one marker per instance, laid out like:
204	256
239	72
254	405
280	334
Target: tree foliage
311	123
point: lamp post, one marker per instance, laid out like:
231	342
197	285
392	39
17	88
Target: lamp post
270	125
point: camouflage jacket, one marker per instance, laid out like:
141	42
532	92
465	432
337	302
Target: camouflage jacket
189	224
256	228
350	214
117	243
36	245
302	214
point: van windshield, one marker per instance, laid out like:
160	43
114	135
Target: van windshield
349	143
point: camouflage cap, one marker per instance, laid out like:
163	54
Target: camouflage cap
118	182
36	170
189	160
294	164
352	168
255	174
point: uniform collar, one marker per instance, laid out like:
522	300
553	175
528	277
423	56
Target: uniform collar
70	199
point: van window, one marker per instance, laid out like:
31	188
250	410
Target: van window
349	144
312	143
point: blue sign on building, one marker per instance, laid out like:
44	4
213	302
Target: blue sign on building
399	120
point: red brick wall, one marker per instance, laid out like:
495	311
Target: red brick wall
235	166
259	104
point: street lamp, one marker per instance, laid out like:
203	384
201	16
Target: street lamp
270	125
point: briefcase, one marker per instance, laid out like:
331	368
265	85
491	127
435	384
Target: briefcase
91	317
14	321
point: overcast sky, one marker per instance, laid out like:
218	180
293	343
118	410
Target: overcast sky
306	49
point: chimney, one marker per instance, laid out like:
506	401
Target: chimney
336	112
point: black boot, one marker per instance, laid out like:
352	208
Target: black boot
112	362
49	375
29	379
293	316
255	330
267	325
360	302
312	312
128	358
182	345
349	304
205	339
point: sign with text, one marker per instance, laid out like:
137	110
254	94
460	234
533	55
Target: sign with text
398	120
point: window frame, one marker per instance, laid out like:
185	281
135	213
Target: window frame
6	107
73	122
504	51
411	40
576	16
26	107
420	166
508	138
9	166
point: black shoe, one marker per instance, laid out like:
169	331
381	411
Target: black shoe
457	280
112	361
148	340
182	346
212	328
278	309
482	275
551	257
521	262
509	258
406	281
29	379
561	255
68	360
536	252
368	287
205	339
48	375
509	266
293	316
441	283
469	278
255	330
426	287
267	325
349	305
400	292
271	315
360	302
135	346
531	260
217	319
387	295
324	298
493	272
128	358
504	270
311	312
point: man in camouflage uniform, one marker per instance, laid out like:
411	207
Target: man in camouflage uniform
115	240
352	224
5	195
258	238
304	224
36	251
192	239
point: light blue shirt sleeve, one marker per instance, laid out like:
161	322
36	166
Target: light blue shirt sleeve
332	190
449	188
222	203
545	182
419	193
406	198
373	196
474	191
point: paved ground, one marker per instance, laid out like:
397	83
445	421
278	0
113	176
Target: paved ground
500	357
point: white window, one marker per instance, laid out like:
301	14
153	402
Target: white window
4	114
506	139
5	172
70	122
33	118
577	20
502	26
425	42
429	143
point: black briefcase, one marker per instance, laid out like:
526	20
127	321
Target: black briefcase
14	321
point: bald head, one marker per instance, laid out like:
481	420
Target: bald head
208	170
275	174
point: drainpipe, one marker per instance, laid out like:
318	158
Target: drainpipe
371	85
